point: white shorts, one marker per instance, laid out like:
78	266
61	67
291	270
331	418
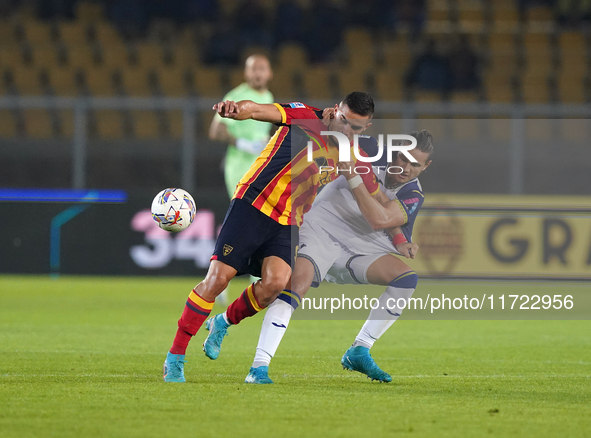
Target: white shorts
332	261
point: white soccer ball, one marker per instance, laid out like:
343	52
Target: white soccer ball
173	209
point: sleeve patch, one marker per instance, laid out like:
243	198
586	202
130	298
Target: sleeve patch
297	105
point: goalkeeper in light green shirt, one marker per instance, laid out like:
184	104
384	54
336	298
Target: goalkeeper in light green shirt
247	138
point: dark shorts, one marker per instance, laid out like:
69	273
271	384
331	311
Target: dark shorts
249	236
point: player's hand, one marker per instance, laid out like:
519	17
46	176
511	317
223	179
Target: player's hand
408	249
327	115
227	109
346	168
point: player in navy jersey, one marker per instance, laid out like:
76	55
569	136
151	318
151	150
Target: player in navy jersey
344	240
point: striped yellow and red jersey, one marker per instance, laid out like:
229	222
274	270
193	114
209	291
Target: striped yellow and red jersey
282	183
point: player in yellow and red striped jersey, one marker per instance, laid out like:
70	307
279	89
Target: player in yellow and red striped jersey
259	234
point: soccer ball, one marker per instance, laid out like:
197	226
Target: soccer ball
173	209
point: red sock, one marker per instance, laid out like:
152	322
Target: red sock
195	313
244	306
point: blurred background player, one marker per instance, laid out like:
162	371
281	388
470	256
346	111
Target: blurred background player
343	240
245	139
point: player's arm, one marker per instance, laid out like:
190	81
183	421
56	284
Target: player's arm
247	109
379	211
403	246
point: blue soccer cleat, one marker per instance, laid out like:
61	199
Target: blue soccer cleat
359	359
218	328
258	375
173	369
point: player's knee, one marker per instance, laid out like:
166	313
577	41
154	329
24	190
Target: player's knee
408	280
270	287
216	282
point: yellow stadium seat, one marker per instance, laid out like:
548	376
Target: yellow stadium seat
145	124
317	82
7	33
388	86
292	56
27	81
73	32
106	34
114	56
360	49
109	124
11	57
64	81
37	32
172	81
438	10
7	124
136	81
397	57
44	55
208	82
149	55
352	80
535	89
185	56
498	89
100	81
282	85
81	56
38	123
571	90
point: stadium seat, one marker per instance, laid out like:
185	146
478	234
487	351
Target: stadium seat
282	85
27	81
72	32
44	55
498	89
539	13
81	56
426	96
172	81
146	124
109	124
471	15
11	56
352	80
136	81
114	55
38	123
360	49
388	86
64	81
99	81
292	57
317	82
397	57
236	76
185	56
535	89
438	10
37	32
7	33
465	96
149	55
208	82
7	124
571	89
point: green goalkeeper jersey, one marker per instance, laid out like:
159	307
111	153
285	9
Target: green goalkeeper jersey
238	162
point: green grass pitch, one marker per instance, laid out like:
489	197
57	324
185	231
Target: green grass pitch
82	357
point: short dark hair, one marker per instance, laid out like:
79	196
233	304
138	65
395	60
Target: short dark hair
424	141
360	103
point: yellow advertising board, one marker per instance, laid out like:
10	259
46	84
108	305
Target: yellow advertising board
494	236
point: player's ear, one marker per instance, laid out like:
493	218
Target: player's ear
367	126
426	165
